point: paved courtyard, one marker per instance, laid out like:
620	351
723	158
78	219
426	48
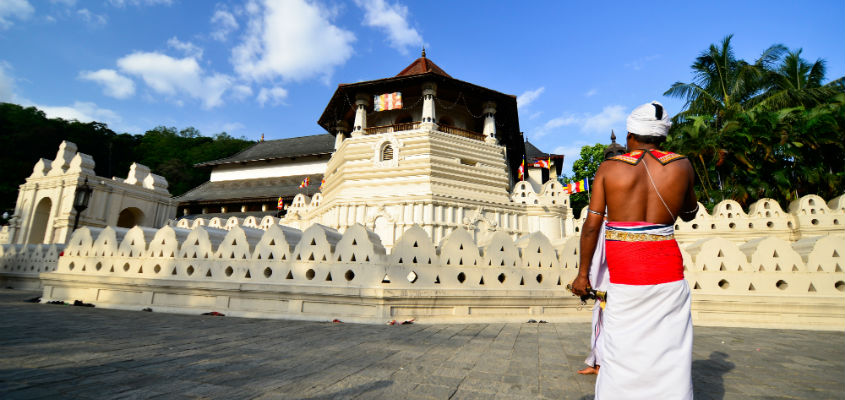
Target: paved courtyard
56	351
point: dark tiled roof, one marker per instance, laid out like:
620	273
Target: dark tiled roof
421	66
281	148
533	153
251	189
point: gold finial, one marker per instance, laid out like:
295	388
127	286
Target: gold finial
262	137
423	53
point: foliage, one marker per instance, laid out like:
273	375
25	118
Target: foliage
584	167
26	135
767	129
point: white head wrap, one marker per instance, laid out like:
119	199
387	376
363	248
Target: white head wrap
649	119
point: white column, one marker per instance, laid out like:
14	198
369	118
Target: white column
428	114
490	122
361	102
340	132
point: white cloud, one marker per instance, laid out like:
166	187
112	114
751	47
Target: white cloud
233	127
291	39
241	92
641	62
14	9
173	76
224	23
123	3
82	112
392	19
274	94
188	48
529	96
571	153
591	93
114	84
66	3
535	115
94	20
604	121
555	123
610	117
7	83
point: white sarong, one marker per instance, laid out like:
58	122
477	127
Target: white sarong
599	282
647	349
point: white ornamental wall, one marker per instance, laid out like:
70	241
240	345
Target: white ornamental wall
44	209
320	273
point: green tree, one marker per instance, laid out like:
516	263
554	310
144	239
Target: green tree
796	82
767	129
584	167
723	84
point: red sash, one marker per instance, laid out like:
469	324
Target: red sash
644	263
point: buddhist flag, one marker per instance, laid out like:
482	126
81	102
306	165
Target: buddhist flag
281	204
522	170
580	186
322	182
388	101
305	182
541	164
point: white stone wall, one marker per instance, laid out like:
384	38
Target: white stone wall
320	273
273	170
807	217
44	210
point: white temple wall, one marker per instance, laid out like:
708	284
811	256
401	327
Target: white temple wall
44	211
287	168
322	274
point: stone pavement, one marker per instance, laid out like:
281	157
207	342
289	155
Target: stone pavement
55	352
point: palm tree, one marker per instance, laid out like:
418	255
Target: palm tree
795	82
722	84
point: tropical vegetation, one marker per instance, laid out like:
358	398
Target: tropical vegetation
768	128
26	135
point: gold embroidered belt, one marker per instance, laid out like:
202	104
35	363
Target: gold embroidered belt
635	237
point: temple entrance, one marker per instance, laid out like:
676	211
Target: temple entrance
40	221
130	217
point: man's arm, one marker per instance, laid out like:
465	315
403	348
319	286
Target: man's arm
690	207
590	234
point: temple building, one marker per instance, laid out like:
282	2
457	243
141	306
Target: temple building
423	148
420	136
251	181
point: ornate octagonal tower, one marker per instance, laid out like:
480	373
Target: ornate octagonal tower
421	148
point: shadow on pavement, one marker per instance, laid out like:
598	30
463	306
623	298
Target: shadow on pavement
349	393
707	376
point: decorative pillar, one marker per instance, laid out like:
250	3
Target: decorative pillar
361	102
490	122
429	90
341	129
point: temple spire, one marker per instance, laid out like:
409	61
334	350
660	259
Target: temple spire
423	52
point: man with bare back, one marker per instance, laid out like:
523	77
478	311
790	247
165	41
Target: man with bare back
647	350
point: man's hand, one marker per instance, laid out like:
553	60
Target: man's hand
580	285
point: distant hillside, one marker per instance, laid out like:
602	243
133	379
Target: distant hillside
26	135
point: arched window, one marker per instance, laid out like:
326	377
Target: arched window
387	153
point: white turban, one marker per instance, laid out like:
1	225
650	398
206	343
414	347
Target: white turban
649	119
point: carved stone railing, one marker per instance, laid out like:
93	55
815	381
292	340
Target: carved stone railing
321	274
460	132
405	126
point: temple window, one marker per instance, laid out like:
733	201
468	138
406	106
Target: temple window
387	153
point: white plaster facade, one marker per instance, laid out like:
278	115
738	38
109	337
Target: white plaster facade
437	180
269	170
270	270
44	210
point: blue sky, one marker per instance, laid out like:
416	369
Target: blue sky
262	66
